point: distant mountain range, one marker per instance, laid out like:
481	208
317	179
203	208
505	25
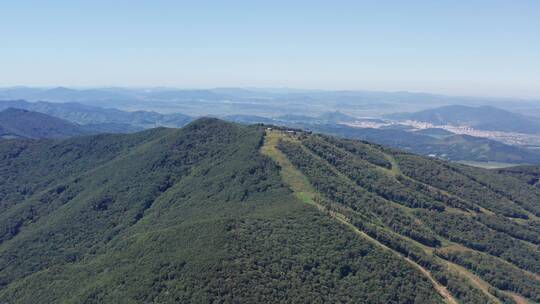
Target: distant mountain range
107	118
20	123
434	142
454	147
17	123
269	102
482	118
434	132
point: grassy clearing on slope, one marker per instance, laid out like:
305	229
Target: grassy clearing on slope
302	188
304	191
478	282
395	166
301	147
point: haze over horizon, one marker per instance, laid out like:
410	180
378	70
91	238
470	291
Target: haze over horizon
283	89
459	48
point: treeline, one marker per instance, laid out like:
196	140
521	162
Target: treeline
341	172
339	190
528	231
497	273
448	178
464	230
308	258
520	193
363	150
369	176
459	288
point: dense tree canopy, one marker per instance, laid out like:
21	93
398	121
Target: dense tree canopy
200	214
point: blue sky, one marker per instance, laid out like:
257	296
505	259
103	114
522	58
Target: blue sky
487	48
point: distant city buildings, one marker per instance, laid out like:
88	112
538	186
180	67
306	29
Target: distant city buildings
510	138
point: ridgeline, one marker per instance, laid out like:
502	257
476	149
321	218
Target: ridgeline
218	212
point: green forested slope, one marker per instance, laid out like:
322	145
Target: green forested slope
528	174
449	218
18	123
212	213
190	215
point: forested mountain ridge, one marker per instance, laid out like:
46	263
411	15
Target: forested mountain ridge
21	123
434	142
17	123
454	147
94	117
219	212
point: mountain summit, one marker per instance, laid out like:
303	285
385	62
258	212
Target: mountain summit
217	212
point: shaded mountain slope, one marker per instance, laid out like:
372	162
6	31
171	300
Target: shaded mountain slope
27	124
528	174
97	117
218	212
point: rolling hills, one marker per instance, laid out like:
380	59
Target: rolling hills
17	123
20	123
222	212
483	118
98	117
430	142
433	142
268	102
456	147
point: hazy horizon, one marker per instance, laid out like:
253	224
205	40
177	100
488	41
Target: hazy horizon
458	48
282	89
